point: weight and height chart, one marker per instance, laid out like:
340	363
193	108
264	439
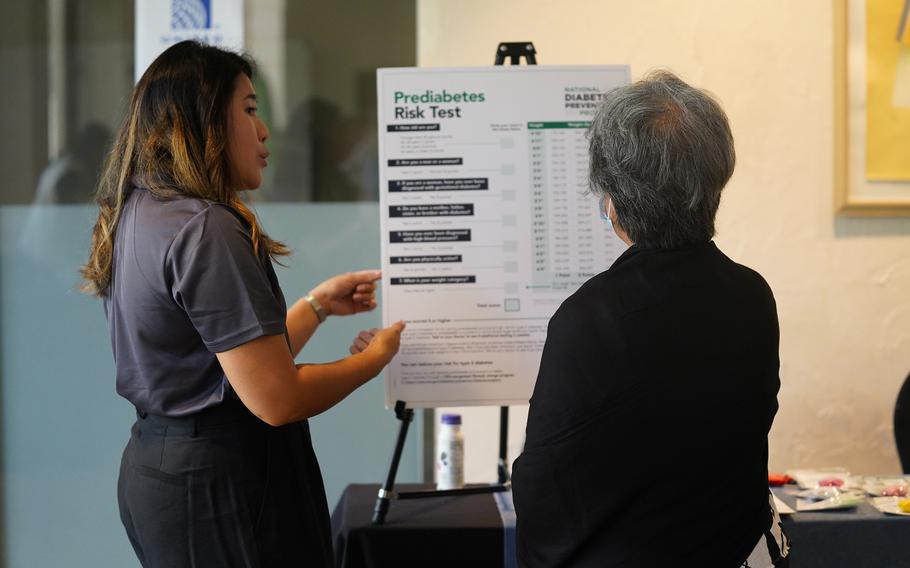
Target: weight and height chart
487	222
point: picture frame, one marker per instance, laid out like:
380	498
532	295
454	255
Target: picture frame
854	194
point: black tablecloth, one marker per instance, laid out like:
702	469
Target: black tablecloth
422	532
850	538
417	532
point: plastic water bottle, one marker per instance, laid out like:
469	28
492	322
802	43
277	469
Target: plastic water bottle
450	453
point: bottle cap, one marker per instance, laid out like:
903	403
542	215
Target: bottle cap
451	419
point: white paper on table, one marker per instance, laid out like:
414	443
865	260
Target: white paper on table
487	222
782	508
889	505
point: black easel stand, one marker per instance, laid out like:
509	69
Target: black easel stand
387	492
515	51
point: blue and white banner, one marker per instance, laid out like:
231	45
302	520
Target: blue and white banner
162	23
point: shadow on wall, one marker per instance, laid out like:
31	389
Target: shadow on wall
72	176
849	227
325	156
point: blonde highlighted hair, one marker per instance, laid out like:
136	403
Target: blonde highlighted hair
174	142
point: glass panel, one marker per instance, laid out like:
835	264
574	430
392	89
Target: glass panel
68	74
325	122
71	72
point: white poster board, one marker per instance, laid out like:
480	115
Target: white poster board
162	23
487	224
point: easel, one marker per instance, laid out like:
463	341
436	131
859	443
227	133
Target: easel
513	50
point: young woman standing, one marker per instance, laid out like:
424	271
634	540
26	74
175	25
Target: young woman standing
219	469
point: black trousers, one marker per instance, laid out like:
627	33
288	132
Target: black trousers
223	489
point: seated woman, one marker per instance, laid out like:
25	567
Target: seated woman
647	438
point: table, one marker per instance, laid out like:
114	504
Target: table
851	538
437	531
468	531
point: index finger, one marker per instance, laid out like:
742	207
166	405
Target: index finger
363	276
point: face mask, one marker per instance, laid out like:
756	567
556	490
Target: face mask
605	213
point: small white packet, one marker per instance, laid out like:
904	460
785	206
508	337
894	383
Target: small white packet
844	500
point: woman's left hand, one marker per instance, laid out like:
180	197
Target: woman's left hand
349	293
363	340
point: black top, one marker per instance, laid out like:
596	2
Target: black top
656	375
186	285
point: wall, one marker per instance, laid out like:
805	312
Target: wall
842	285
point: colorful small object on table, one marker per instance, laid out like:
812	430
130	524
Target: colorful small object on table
881	486
779	479
831	482
809	478
892	505
895	491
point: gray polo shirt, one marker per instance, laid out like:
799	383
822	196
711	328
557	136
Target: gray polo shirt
186	285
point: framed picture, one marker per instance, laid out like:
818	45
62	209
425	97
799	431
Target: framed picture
872	107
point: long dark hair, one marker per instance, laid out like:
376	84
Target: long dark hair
173	141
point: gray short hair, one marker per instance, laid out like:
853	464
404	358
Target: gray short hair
663	151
